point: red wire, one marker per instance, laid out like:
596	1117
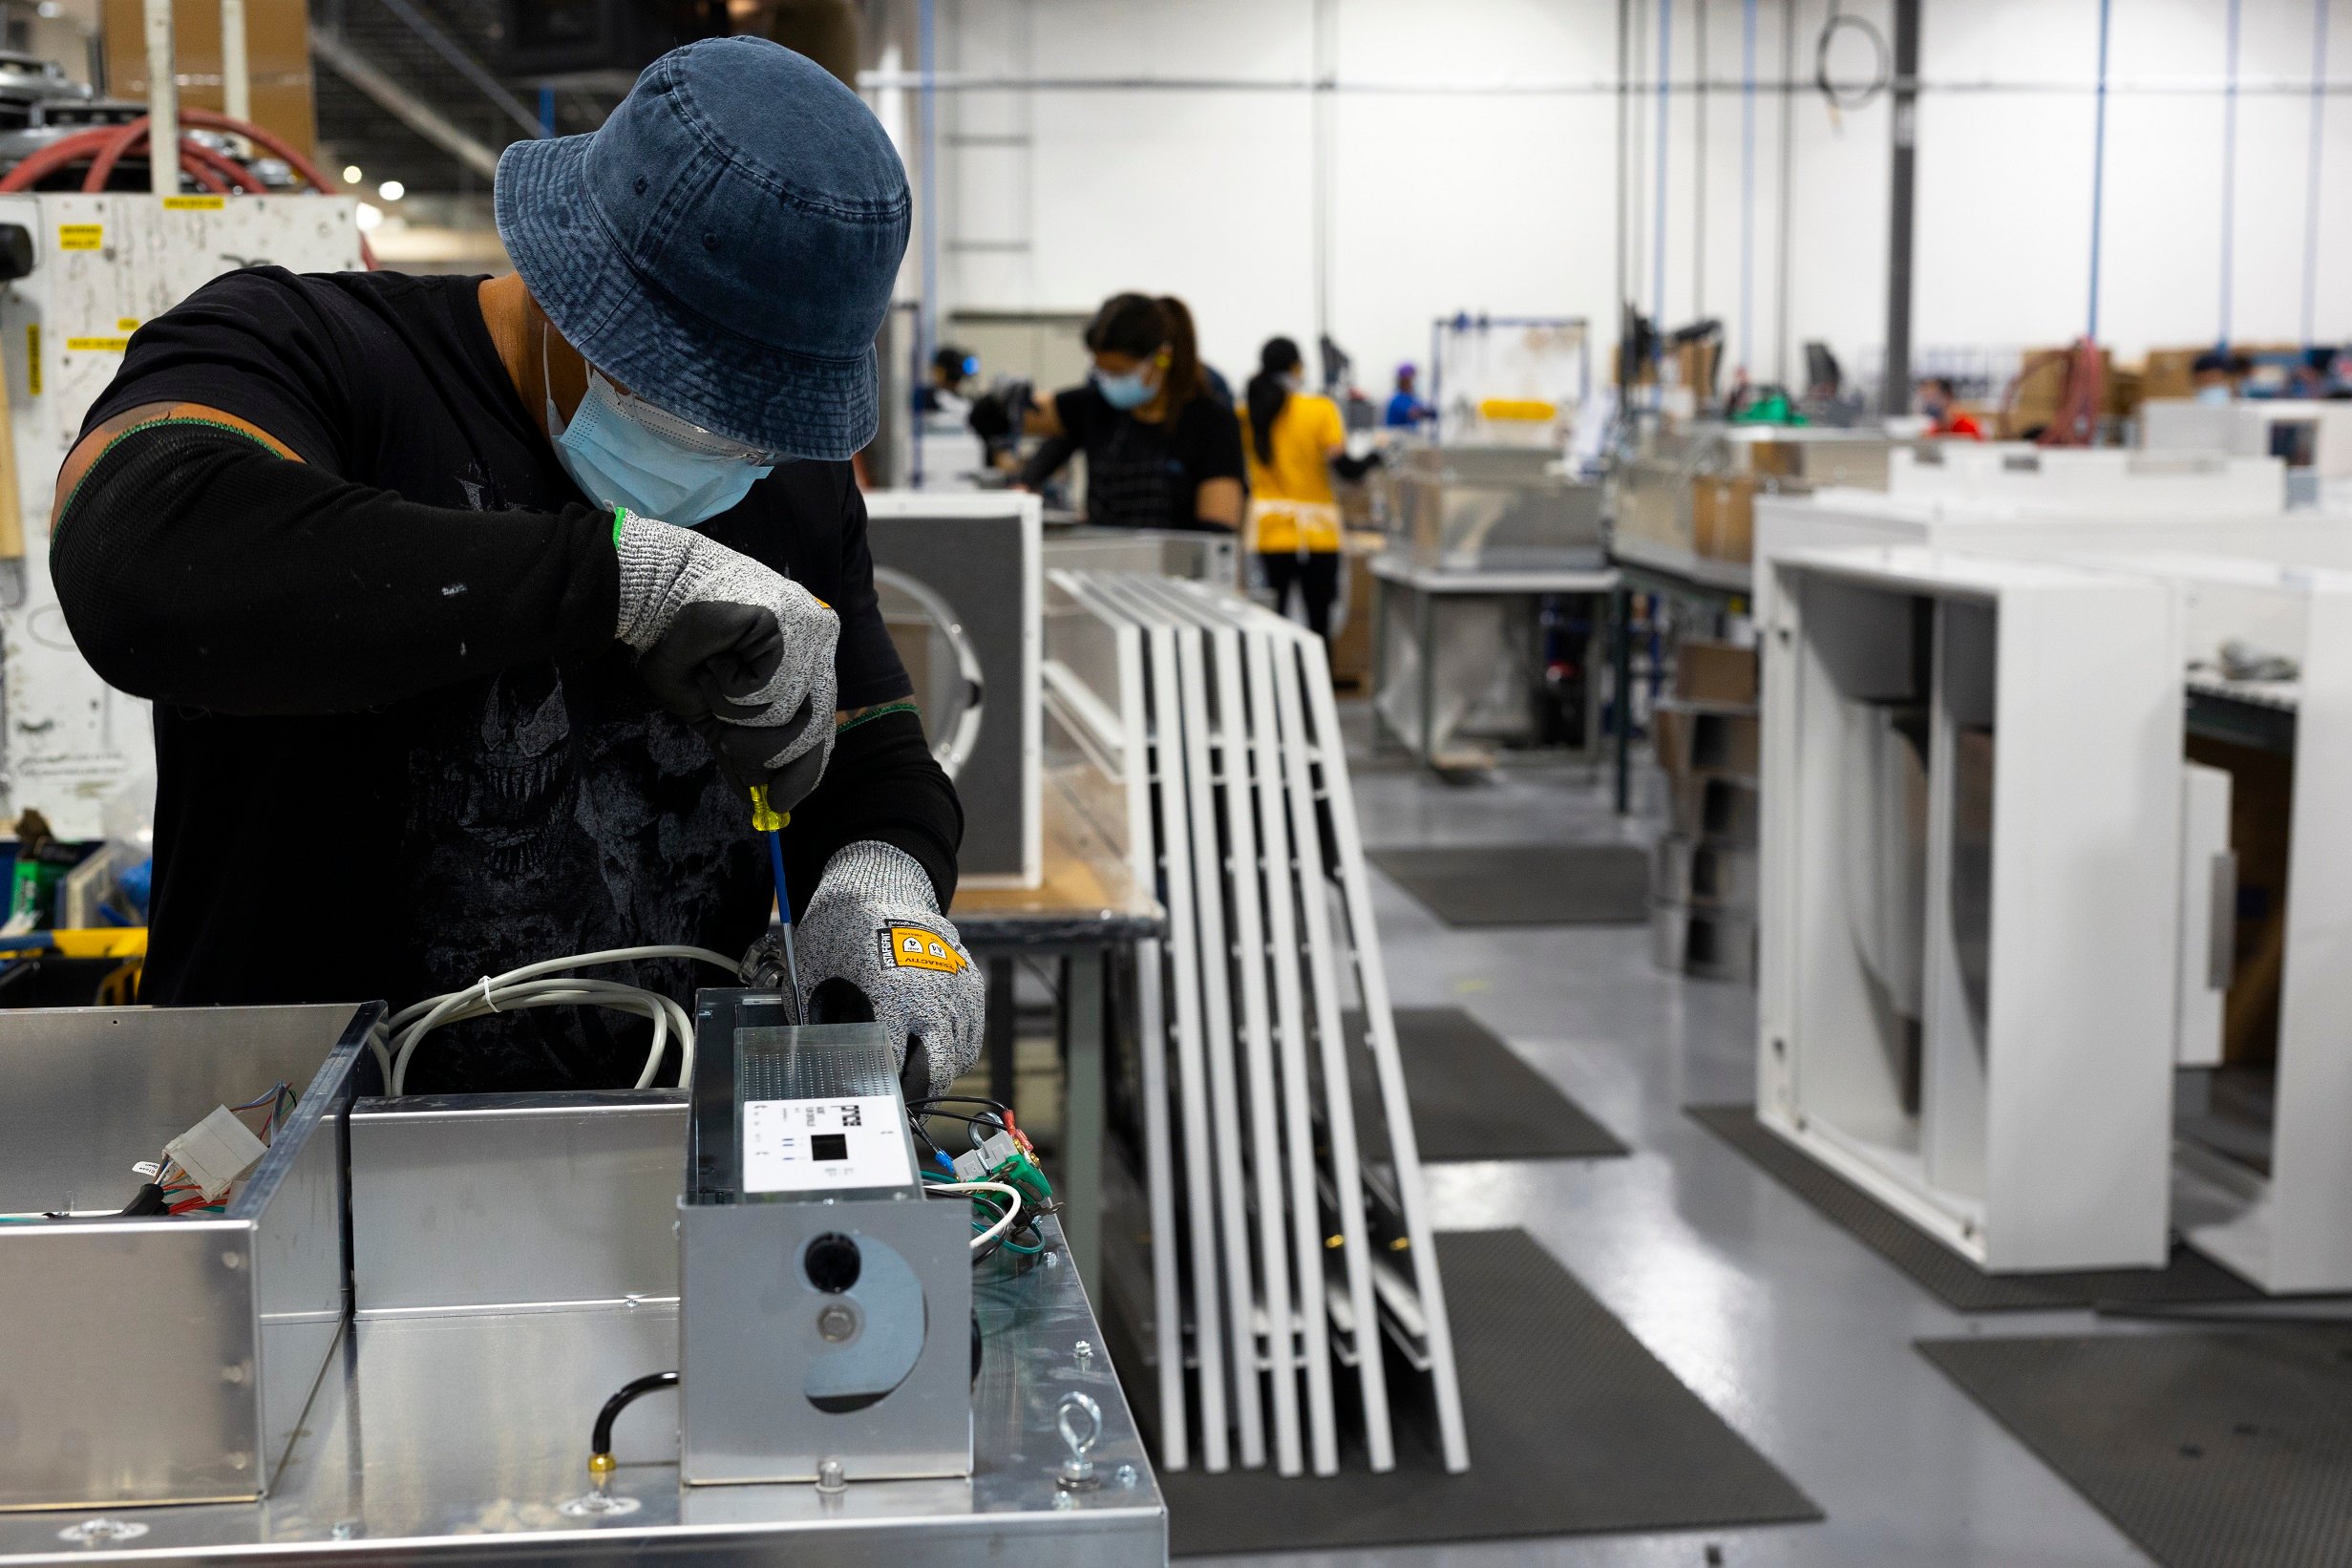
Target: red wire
109	143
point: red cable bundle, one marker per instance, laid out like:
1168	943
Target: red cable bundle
106	146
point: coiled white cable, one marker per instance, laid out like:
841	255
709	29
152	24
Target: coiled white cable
1011	1194
547	984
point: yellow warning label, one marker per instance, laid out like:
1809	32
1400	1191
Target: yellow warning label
81	235
97	345
126	324
912	947
33	356
194	203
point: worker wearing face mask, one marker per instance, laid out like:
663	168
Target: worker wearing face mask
472	610
1161	448
2219	376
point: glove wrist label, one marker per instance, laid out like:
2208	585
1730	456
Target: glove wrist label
916	948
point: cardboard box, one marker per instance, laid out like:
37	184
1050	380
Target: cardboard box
277	60
1708	738
1710	806
1722	517
1352	645
1714	673
2261	809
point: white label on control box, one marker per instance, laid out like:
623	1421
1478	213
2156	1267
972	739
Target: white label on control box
802	1146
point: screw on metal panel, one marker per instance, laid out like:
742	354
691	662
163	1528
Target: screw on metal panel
837	1323
232	1260
234	1372
1085	1350
101	1531
238	1460
343	1529
829	1477
1125	1475
1052	1259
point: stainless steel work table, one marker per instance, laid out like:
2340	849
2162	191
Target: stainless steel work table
1426	585
513	1265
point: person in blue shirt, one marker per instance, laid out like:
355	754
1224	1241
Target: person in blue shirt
1405	409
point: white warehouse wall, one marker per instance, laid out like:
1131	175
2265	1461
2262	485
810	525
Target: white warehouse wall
1473	165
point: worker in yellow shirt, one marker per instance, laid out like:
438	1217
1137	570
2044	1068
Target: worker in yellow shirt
1293	439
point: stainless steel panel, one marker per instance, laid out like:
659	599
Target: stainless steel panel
748	1340
1467	507
164	1359
456	1438
477	1201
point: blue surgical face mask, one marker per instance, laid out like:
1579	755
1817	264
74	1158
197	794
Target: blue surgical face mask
2217	392
617	461
1124	392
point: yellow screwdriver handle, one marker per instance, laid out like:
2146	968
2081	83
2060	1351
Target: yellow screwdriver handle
763	819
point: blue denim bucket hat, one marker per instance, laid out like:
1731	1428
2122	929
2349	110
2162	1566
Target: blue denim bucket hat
724	246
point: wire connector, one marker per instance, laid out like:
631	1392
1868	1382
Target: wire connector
216	1152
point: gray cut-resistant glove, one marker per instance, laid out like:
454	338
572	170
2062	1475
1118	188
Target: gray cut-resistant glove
876	924
735	648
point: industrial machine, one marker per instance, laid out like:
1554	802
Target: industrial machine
1971	798
824	1316
959	578
98	266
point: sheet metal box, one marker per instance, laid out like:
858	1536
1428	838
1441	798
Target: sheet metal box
164	1360
825	1305
1497	507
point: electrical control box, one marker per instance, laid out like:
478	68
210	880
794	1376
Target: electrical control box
825	1305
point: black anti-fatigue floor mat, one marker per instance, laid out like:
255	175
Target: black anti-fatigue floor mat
2210	1450
1959	1283
1473	1098
1525	884
1574	1428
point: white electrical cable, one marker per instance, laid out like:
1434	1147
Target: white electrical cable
395	1039
1002	1226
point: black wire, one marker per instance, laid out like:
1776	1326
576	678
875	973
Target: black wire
602	1441
1821	59
960	1099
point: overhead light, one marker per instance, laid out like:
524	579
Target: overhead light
351	174
48	10
367	217
392	190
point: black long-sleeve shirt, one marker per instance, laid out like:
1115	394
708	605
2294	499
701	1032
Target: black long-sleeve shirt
398	747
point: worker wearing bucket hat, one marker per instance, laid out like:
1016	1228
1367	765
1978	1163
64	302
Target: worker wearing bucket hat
472	608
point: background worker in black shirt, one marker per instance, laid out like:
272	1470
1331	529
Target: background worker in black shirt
1162	449
472	607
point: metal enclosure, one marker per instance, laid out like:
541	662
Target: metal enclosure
1659	516
2280	1214
825	1305
516	1262
164	1360
1969	1012
971	562
1498	508
103	265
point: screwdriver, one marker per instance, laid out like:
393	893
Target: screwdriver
771	822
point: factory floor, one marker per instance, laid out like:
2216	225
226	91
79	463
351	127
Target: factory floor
1789	1328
